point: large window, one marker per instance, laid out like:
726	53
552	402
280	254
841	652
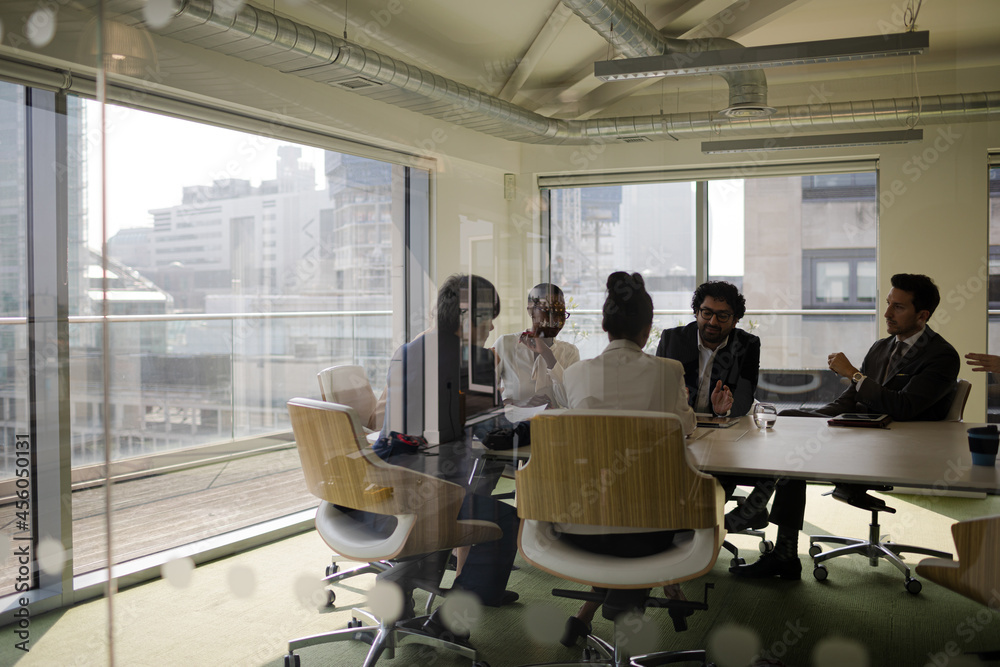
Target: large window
800	248
238	266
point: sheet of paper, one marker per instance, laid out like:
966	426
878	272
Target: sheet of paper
516	414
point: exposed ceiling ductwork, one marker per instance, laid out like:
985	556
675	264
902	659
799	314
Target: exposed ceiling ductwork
631	33
260	37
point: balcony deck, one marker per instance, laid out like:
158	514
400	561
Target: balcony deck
162	511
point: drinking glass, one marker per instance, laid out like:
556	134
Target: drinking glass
764	415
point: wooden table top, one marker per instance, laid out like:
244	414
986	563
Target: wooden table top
932	455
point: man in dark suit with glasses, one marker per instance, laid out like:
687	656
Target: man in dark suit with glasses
720	361
721	364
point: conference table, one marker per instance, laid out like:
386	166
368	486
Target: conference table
926	455
930	455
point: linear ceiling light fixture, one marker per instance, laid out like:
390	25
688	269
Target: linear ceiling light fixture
756	57
766	144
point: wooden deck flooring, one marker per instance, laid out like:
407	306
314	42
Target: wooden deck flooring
163	511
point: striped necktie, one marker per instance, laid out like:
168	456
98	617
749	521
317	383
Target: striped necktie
898	350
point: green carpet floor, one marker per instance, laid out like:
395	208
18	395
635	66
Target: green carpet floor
242	610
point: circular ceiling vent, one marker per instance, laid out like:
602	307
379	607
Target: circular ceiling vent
747	111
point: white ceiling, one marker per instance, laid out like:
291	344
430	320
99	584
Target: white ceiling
480	43
484	45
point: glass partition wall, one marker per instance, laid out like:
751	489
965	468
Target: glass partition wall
993	263
167	285
801	248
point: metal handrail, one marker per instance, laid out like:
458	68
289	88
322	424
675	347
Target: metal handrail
789	311
197	317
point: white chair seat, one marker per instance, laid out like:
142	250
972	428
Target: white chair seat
357	540
690	551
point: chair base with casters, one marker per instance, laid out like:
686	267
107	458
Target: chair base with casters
384	636
334	575
874	548
538	547
601	652
764	545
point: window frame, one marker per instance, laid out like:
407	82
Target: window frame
812	257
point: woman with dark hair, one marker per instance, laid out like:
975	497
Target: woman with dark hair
623	376
626	378
464	313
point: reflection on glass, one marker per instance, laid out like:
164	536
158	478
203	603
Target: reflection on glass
13	275
993	389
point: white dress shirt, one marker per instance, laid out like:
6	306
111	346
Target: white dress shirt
626	378
703	403
523	374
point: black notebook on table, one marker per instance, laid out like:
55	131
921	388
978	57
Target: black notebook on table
860	419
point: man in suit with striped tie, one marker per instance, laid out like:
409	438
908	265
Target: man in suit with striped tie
910	376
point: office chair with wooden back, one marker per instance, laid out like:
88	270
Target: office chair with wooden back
348	385
372	511
614	471
976	574
876	547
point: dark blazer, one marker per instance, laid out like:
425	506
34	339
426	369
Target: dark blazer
737	364
919	388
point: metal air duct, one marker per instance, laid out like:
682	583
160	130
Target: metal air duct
629	31
260	37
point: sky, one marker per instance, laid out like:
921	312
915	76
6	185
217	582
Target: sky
725	234
150	158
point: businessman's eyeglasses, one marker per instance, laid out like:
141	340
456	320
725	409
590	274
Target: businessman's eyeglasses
558	312
722	316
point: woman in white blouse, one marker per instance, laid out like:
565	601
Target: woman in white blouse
624	377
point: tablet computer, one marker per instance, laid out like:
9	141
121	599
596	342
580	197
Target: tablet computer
860	419
709	421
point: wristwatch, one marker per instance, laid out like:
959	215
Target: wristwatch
857	377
